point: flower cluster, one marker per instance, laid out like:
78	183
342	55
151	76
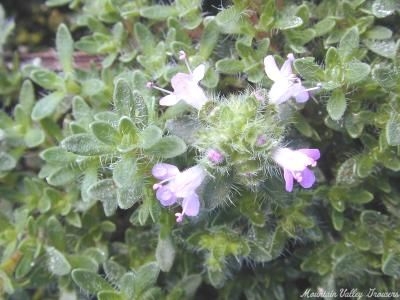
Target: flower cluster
176	187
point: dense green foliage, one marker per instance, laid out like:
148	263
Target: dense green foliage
79	214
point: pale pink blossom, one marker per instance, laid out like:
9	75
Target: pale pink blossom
295	165
179	187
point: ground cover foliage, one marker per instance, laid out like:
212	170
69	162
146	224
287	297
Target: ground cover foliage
210	150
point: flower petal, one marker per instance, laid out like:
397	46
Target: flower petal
300	93
280	92
163	171
169	100
308	178
292	160
313	153
195	97
188	181
191	205
271	69
287	175
286	69
165	196
198	73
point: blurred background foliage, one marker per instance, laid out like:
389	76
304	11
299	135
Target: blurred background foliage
78	216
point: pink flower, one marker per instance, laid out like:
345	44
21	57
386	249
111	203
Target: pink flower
215	156
186	87
286	84
178	187
295	163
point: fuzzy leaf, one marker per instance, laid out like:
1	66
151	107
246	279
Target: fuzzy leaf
158	12
90	281
146	277
7	162
393	130
57	263
165	254
46	106
105	191
167	147
65	48
336	104
105	133
209	39
145	38
391	265
84	144
349	43
309	69
110	295
150	136
123	98
229	66
47	79
356	71
288	22
34	137
124	172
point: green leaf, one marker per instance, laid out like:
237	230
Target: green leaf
309	69
126	284
356	71
105	133
124	172
158	12
110	295
130	135
332	58
27	96
144	38
209	39
324	26
47	79
168	147
391	265
229	66
63	176
90	282
150	136
92	87
379	32
7	162
46	106
57	263
165	254
385	48
34	137
57	155
393	130
128	196
387	77
336	105
123	98
105	191
348	44
288	22
113	270
146	277
384	8
65	48
85	144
